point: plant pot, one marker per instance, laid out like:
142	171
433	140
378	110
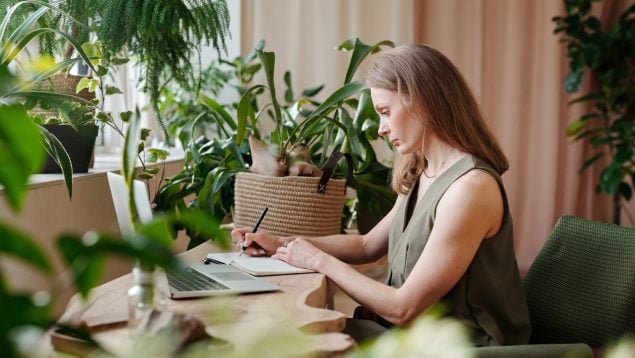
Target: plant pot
62	83
79	145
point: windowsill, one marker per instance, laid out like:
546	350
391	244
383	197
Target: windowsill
103	163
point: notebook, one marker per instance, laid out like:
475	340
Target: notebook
257	266
196	280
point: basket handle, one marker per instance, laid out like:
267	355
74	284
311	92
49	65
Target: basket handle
329	168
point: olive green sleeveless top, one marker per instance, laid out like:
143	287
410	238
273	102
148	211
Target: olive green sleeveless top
489	296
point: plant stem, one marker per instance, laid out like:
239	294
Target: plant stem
616	208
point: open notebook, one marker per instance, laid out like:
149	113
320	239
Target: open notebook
257	266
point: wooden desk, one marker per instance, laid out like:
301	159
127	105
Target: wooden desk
299	308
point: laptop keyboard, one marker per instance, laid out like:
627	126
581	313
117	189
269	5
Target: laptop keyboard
191	280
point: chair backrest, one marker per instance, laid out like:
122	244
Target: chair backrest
581	287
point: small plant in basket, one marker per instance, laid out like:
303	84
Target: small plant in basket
344	122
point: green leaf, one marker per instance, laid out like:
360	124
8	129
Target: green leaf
360	52
610	178
112	90
340	94
573	80
590	161
20	152
155	154
575	127
288	94
85	256
84	267
125	116
625	190
245	112
153	171
119	61
145	133
157	230
82	84
217	108
90	49
200	222
593	23
206	193
268	60
591	97
131	149
144	176
101	71
21	246
92	84
624	154
351	133
56	150
103	117
310	92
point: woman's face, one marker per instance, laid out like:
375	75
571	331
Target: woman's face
404	131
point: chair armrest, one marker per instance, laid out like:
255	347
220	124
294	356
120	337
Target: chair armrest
578	350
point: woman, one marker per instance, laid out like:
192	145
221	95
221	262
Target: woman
449	235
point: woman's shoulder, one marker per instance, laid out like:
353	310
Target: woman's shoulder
475	175
477	183
478	190
475	199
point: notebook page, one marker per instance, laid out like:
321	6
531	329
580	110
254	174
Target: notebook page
257	266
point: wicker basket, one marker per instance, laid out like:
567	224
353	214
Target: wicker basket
60	83
297	205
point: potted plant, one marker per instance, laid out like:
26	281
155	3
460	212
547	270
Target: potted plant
17	29
68	112
211	163
608	57
162	35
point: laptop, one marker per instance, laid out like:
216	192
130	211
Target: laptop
196	280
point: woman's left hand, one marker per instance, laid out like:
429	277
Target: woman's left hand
299	253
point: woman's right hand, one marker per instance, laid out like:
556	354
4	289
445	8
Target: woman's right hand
256	244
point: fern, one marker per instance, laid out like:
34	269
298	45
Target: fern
165	35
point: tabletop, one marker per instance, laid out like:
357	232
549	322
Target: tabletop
298	311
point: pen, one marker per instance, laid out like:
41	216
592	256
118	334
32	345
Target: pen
262	216
208	260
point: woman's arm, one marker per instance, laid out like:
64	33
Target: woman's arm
352	249
359	249
470	210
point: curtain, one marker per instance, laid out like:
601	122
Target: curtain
515	65
303	34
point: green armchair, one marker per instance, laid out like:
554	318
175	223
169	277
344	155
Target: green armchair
580	291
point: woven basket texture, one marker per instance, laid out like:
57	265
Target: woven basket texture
60	83
581	287
295	206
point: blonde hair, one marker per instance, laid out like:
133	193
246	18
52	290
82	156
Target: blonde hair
435	92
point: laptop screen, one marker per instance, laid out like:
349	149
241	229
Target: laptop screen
119	192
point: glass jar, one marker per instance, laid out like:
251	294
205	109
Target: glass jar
141	298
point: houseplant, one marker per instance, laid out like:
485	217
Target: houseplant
162	35
607	55
342	122
84	110
28	20
212	162
15	33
